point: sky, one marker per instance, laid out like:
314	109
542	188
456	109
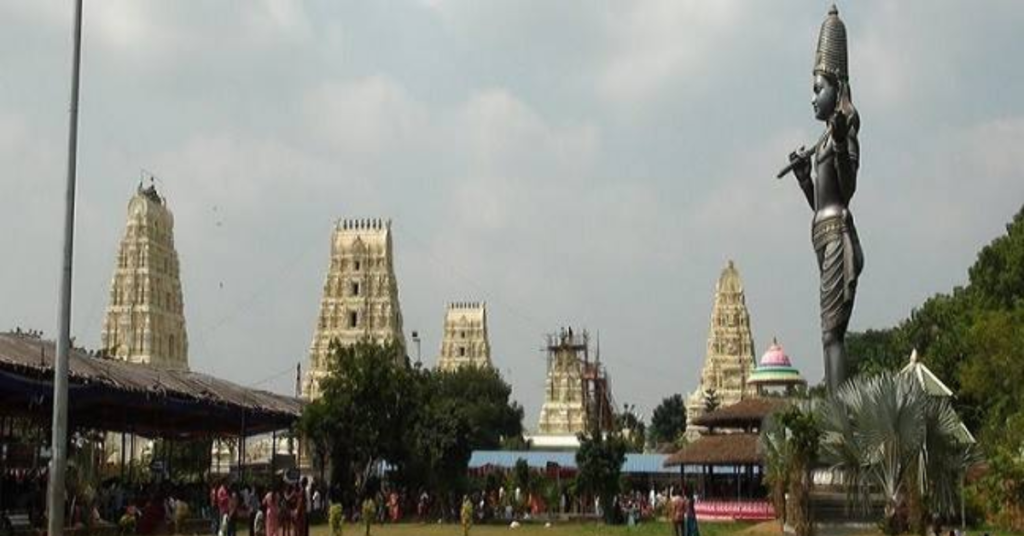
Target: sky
586	164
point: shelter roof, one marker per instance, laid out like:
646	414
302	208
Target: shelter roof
931	383
745	413
116	395
718	449
934	387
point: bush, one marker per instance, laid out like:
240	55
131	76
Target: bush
336	518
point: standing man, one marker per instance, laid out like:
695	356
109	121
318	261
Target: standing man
677	514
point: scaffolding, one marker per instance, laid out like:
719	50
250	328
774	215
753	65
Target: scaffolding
571	350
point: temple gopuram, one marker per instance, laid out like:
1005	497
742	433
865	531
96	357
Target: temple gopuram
577	392
360	297
729	360
465	342
145	320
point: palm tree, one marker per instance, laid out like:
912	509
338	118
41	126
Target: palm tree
777	456
887	431
790	441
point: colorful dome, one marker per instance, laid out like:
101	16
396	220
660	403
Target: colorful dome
775	369
775	357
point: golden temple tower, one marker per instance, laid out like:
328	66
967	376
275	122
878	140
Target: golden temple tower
360	297
729	360
145	321
465	340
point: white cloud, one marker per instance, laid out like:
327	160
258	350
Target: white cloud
365	117
655	44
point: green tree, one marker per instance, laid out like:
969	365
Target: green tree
971	338
711	400
599	461
458	412
632	428
887	432
668	421
994	379
790	441
483	399
998	274
364	411
778	462
876	351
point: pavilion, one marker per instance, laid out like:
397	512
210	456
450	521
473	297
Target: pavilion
724	465
113	395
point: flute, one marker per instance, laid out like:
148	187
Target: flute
801	155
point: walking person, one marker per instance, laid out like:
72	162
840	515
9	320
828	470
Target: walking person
691	516
300	521
287	504
272	513
677	514
466	515
223	498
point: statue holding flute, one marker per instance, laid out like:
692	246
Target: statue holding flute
834	160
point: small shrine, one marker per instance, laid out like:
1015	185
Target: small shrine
775	375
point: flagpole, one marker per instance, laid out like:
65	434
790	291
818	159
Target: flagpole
59	442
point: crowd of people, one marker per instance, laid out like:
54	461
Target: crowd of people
282	509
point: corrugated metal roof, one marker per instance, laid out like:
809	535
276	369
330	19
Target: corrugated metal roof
539	459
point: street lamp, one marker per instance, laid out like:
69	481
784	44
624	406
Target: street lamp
416	339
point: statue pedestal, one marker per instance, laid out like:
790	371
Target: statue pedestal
833	511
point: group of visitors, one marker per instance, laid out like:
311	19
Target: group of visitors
683	513
281	510
146	510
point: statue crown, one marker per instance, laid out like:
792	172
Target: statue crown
831	56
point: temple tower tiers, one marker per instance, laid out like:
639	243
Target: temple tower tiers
465	340
145	321
564	410
360	299
729	360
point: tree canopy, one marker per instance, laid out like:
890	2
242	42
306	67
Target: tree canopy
599	461
423	423
972	338
668	421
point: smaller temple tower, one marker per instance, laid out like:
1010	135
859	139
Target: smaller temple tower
564	412
729	360
577	390
145	320
360	296
465	342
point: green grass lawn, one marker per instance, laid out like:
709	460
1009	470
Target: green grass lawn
557	529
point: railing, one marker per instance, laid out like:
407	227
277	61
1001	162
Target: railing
713	510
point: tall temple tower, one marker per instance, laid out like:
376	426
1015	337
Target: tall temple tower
729	361
145	321
360	299
465	340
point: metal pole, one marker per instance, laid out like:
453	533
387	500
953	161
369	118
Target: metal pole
963	507
58	443
124	453
273	450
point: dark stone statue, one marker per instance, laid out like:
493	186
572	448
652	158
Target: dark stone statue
829	189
